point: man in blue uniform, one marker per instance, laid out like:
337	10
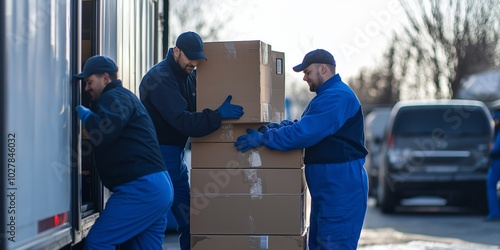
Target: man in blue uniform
332	132
494	175
168	91
128	161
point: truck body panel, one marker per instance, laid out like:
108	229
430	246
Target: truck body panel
51	194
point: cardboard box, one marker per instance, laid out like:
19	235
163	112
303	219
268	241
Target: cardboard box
242	69
244	214
228	132
254	182
225	156
249	242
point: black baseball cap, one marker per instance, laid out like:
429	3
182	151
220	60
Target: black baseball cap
98	65
315	56
191	44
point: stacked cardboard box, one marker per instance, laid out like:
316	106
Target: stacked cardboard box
245	70
252	200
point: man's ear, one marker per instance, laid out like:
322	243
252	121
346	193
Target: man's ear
107	78
177	51
323	69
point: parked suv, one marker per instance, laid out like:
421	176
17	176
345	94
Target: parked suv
375	127
436	148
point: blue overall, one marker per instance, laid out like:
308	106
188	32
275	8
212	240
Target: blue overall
136	213
332	132
492	192
338	204
492	180
177	169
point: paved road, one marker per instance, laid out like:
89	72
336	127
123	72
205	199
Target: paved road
423	228
428	228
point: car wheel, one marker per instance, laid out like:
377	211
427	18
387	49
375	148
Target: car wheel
386	198
372	191
479	201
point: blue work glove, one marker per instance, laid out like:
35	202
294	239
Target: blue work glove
230	111
264	128
252	139
274	125
83	113
287	122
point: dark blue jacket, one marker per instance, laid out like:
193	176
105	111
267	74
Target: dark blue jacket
331	128
169	95
123	136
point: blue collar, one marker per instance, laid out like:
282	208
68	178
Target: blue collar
174	65
328	83
113	84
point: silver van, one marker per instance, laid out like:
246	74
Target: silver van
436	148
375	127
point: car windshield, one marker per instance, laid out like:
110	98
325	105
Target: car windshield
450	120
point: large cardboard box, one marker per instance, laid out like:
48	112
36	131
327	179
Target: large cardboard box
242	69
245	214
254	182
225	156
249	242
228	132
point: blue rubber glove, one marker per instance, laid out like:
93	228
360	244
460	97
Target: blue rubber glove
230	111
252	139
83	113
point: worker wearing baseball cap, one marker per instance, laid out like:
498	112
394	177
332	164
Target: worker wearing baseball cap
331	131
128	160
191	44
168	91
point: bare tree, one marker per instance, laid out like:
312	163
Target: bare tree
446	41
379	86
443	42
205	17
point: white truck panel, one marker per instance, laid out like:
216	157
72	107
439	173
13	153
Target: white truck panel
38	120
51	192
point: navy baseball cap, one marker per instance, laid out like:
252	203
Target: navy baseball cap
191	44
315	56
98	65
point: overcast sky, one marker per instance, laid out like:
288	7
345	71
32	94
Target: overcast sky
356	32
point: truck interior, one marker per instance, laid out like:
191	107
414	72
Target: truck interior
85	178
89	179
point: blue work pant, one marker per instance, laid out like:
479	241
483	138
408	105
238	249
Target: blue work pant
135	215
177	169
491	182
339	196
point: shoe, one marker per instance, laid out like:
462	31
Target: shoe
492	218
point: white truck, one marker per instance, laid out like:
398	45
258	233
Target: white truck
51	194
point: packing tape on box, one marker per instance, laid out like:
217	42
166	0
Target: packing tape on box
230	51
255	182
254	159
